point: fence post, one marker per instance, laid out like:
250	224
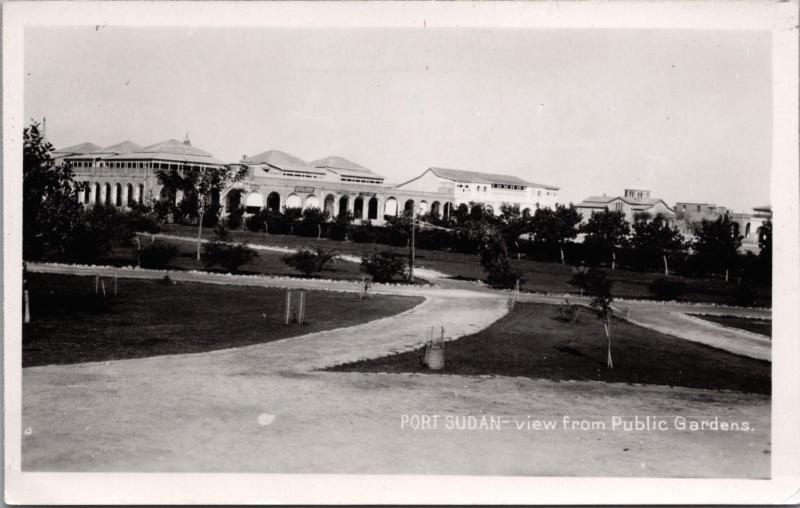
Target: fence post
96	283
115	283
288	305
27	298
301	313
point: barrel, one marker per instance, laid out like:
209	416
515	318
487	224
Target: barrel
434	357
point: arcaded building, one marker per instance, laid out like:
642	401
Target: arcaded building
126	173
334	184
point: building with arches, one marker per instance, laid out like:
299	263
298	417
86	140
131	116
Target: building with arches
277	180
126	173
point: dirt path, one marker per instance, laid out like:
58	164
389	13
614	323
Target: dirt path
672	319
265	409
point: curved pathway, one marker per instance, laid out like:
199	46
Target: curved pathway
265	408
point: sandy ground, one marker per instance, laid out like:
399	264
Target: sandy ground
265	408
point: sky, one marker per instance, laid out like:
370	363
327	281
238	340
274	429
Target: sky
684	113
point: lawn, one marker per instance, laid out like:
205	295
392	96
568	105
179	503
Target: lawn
71	324
531	341
760	326
537	276
267	263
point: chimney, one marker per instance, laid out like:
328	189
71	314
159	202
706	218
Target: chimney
186	141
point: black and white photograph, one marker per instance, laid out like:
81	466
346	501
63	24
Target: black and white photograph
441	251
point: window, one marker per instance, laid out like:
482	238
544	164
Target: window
698	208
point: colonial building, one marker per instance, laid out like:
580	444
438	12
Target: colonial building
491	190
631	203
125	173
83	148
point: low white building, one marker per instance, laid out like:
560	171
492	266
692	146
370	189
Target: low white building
491	190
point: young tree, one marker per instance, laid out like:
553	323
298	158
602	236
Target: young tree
717	243
596	284
495	261
200	182
51	209
656	238
606	231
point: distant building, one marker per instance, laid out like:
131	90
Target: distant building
689	215
631	203
489	189
749	226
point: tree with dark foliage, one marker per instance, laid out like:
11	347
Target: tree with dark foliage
51	208
606	231
717	244
198	184
655	239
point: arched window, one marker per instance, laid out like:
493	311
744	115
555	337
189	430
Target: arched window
372	209
274	201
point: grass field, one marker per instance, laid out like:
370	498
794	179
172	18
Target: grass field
538	276
761	326
267	263
531	341
71	324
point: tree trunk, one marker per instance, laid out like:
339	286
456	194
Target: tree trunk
199	233
613	260
562	255
607	326
666	266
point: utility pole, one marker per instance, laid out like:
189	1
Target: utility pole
413	227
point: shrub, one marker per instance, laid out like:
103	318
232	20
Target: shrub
384	266
309	261
667	288
142	218
234	219
230	257
157	255
568	312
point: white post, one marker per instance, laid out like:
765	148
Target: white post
301	313
288	305
27	315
